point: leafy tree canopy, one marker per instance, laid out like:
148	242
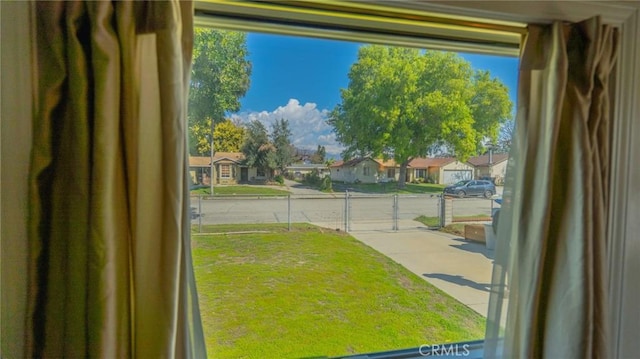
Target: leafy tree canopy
220	76
403	103
505	137
319	155
258	151
228	136
281	139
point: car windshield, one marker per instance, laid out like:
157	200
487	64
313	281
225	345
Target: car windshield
461	183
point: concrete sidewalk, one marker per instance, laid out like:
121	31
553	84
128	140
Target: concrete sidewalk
459	267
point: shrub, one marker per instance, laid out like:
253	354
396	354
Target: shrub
326	184
313	178
279	179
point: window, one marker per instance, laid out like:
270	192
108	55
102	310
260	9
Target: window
391	173
421	173
315	30
273	210
627	144
225	171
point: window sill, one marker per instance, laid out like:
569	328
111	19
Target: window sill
469	350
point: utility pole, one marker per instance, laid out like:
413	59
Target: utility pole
212	170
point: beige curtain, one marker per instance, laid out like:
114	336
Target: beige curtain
110	266
552	233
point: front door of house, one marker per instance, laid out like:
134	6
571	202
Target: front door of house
244	174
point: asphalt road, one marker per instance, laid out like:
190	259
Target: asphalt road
373	212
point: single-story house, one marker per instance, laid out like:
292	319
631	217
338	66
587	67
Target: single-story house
298	170
443	170
490	165
229	168
364	170
199	170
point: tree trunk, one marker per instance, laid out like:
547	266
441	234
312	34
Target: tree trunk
403	174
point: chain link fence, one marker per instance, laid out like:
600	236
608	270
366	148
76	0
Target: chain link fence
343	211
472	209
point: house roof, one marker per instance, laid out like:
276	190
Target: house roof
422	162
307	166
205	161
231	156
483	161
337	164
387	163
355	161
199	161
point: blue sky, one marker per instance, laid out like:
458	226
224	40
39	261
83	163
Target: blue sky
300	79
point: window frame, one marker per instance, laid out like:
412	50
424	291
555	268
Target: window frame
228	167
623	247
625	202
391	173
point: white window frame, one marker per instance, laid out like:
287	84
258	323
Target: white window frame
624	243
228	166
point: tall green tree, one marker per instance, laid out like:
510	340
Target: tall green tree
258	151
319	155
281	139
404	103
220	76
505	137
229	137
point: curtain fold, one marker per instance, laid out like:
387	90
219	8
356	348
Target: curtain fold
552	232
110	262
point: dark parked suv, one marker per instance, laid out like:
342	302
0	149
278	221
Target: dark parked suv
471	188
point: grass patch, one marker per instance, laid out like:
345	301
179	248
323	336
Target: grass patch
315	292
241	190
428	221
389	188
435	221
455	228
271	227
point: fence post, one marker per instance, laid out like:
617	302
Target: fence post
200	214
491	212
395	212
446	211
289	212
441	211
346	210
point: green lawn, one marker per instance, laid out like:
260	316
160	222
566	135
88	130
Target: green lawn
435	221
454	228
389	188
242	190
315	292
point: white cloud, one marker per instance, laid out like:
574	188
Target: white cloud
308	125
